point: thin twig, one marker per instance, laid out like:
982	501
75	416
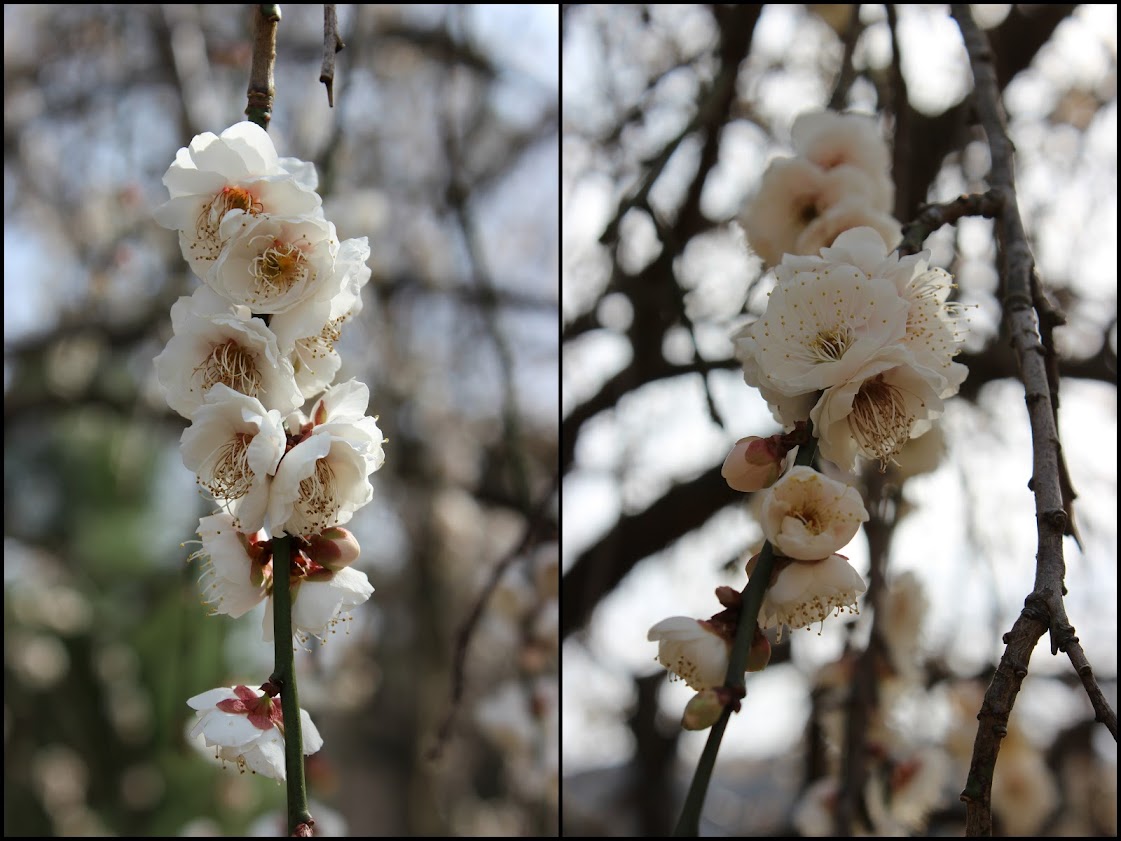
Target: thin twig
332	43
847	74
933	216
1043	609
262	87
467	630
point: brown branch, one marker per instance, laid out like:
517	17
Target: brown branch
262	87
931	217
332	43
533	527
600	568
863	700
1043	608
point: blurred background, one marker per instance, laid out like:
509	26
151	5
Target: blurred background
442	148
671	114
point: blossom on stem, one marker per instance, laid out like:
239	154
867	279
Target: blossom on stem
809	516
237	173
877	411
271	264
323	479
247	728
803	593
216	343
237	569
753	464
821	326
695	650
235	446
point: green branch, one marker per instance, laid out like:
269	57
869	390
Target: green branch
284	676
689	822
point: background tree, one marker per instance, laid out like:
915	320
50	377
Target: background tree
442	149
670	119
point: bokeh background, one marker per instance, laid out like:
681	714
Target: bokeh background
442	148
671	115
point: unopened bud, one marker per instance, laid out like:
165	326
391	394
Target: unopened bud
759	655
703	710
754	463
729	596
334	548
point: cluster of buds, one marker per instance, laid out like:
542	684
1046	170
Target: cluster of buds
250	346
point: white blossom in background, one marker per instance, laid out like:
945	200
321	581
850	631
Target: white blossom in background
693	649
792	194
844	216
831	140
246	727
839	179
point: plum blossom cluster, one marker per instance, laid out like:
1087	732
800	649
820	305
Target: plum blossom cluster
859	341
857	345
253	343
839	179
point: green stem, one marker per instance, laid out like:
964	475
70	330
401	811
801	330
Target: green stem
284	675
690	821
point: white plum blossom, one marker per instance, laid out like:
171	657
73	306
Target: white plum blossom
804	593
809	516
821	326
234	445
216	343
792	194
844	216
876	412
323	480
236	173
272	264
341	412
319	600
831	139
693	649
933	334
237	572
247	728
320	483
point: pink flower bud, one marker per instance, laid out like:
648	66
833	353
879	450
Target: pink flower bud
703	710
334	548
753	464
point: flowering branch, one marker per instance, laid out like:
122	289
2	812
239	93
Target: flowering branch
688	824
1043	610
